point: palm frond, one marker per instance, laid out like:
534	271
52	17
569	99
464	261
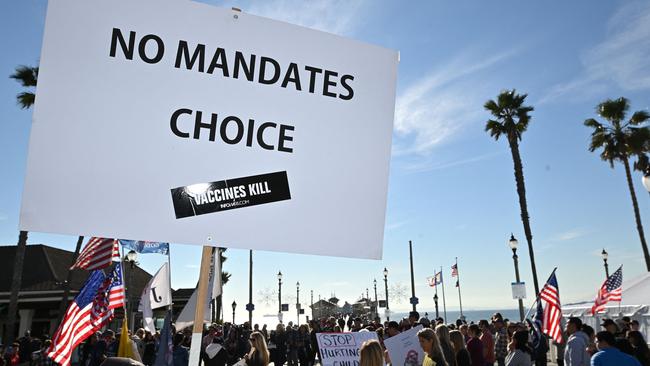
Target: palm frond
593	123
26	75
25	99
614	110
639	117
494	128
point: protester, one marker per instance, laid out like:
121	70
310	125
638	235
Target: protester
445	344
431	347
519	353
474	345
501	341
462	356
258	354
488	342
591	334
575	352
371	354
392	329
641	351
279	338
180	353
621	342
220	358
608	354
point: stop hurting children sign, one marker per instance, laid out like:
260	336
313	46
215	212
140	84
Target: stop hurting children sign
177	121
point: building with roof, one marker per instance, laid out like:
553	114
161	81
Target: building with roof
45	271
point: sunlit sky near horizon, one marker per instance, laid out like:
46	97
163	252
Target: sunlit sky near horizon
452	189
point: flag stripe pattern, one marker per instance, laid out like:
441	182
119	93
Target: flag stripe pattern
454	270
89	312
97	254
611	290
550	296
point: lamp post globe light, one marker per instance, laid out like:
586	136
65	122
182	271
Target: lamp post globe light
132	258
279	293
234	306
386	289
513	245
435	301
298	303
605	255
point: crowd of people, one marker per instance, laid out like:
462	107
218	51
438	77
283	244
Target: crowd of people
485	343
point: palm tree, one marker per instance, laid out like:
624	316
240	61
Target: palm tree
511	120
27	77
225	276
66	284
619	140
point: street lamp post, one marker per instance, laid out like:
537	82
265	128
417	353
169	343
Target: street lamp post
386	288
435	301
605	255
513	245
132	258
279	293
234	306
374	283
312	303
298	303
414	300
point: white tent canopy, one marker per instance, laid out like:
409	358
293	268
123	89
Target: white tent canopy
635	304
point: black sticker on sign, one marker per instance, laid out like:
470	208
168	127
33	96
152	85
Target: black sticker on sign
203	198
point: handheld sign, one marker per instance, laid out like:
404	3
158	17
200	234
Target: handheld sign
404	348
179	121
342	349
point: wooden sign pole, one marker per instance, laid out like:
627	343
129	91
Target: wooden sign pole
202	293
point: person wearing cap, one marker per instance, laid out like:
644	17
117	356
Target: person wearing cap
575	352
608	354
621	342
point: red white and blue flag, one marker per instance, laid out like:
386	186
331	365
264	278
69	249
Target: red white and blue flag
89	312
454	270
97	254
611	290
550	297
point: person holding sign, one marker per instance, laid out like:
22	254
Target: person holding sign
371	354
431	347
259	354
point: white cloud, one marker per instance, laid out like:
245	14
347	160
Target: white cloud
3	216
334	16
428	164
622	59
438	106
570	234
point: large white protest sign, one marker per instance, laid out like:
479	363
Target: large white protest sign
178	121
404	348
342	349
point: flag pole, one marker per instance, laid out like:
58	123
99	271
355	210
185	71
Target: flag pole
128	298
460	299
169	278
537	298
444	303
202	292
436	286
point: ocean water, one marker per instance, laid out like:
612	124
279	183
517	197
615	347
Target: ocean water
470	316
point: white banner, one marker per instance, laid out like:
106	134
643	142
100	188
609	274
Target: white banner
342	349
182	122
404	348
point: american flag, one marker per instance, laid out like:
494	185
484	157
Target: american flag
550	295
611	290
454	270
537	325
89	312
97	254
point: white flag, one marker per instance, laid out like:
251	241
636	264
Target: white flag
186	317
155	295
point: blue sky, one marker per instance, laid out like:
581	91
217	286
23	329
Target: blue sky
452	189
